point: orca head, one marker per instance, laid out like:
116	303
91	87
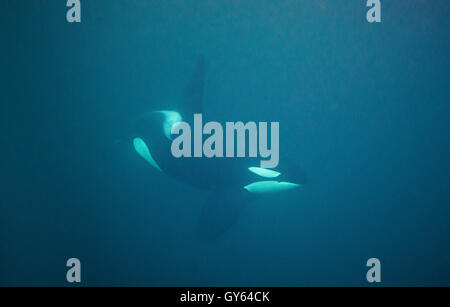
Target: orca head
152	136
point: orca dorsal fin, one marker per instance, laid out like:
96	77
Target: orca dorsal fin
192	99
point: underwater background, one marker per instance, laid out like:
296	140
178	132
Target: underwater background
363	108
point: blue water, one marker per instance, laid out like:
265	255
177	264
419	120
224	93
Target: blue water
364	108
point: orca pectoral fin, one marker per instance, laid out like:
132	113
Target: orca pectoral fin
221	211
142	149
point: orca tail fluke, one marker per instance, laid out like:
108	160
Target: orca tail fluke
221	211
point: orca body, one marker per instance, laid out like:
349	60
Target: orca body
232	182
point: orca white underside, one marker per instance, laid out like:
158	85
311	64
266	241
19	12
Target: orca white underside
270	186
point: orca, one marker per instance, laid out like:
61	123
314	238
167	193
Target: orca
232	183
213	146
